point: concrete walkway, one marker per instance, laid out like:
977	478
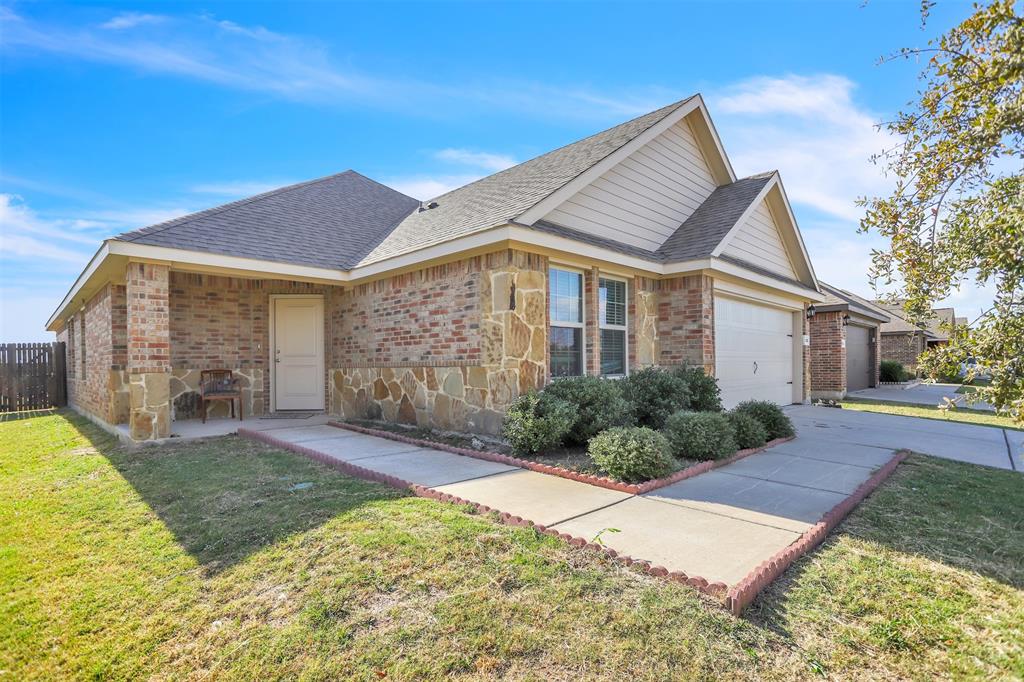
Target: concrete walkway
922	394
718	526
987	445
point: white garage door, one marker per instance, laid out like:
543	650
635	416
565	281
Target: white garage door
753	352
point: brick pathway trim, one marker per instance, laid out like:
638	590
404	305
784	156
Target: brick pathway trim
743	593
562	472
735	599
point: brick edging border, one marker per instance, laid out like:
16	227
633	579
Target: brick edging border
716	589
743	593
562	472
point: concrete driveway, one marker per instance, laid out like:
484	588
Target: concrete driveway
990	446
922	394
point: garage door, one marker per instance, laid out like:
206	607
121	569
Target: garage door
753	352
858	358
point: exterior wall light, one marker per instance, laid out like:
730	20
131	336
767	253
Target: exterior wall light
810	311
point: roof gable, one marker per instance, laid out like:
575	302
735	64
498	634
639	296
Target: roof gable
643	198
757	240
502	197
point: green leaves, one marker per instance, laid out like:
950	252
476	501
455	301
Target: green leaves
958	208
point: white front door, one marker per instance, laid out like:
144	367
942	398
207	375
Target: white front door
753	352
298	353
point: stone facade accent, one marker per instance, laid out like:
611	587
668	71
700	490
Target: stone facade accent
184	393
644	348
465	363
149	350
903	348
686	322
828	355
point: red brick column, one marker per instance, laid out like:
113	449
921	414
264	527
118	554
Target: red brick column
686	322
591	328
828	355
148	350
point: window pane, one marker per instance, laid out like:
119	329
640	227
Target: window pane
613	351
566	351
566	296
613	301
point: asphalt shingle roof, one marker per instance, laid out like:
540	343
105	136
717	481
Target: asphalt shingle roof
698	236
499	198
332	222
834	296
346	220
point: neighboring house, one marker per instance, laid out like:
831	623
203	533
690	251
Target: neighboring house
903	341
844	343
635	246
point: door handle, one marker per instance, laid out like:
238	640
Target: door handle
755	366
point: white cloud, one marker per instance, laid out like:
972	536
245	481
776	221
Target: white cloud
425	187
127	20
486	160
811	129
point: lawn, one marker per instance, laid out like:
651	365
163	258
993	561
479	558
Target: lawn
958	414
230	559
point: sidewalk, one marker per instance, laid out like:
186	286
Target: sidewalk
719	525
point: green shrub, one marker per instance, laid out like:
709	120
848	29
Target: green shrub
700	435
750	433
597	405
771	416
631	453
891	370
705	396
653	394
536	422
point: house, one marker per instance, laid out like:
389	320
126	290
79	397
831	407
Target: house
845	330
635	246
903	341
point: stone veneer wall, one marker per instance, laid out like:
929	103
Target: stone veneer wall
903	348
471	336
644	348
827	355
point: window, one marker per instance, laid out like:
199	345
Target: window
81	342
566	313
612	323
70	348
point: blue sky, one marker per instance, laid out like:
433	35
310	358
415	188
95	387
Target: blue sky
115	116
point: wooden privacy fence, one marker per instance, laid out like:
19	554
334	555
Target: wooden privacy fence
32	376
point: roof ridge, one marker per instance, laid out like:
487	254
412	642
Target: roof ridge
157	228
668	109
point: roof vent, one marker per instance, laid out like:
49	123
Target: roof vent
432	204
422	208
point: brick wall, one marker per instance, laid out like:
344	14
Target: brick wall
686	329
221	322
426	317
903	348
827	355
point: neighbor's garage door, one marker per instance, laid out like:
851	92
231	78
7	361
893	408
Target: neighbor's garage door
753	352
858	358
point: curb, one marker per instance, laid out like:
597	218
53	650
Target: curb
716	589
743	593
561	472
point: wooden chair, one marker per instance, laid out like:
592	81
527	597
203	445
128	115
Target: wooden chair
219	384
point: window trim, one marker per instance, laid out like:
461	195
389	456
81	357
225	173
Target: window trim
624	328
581	325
